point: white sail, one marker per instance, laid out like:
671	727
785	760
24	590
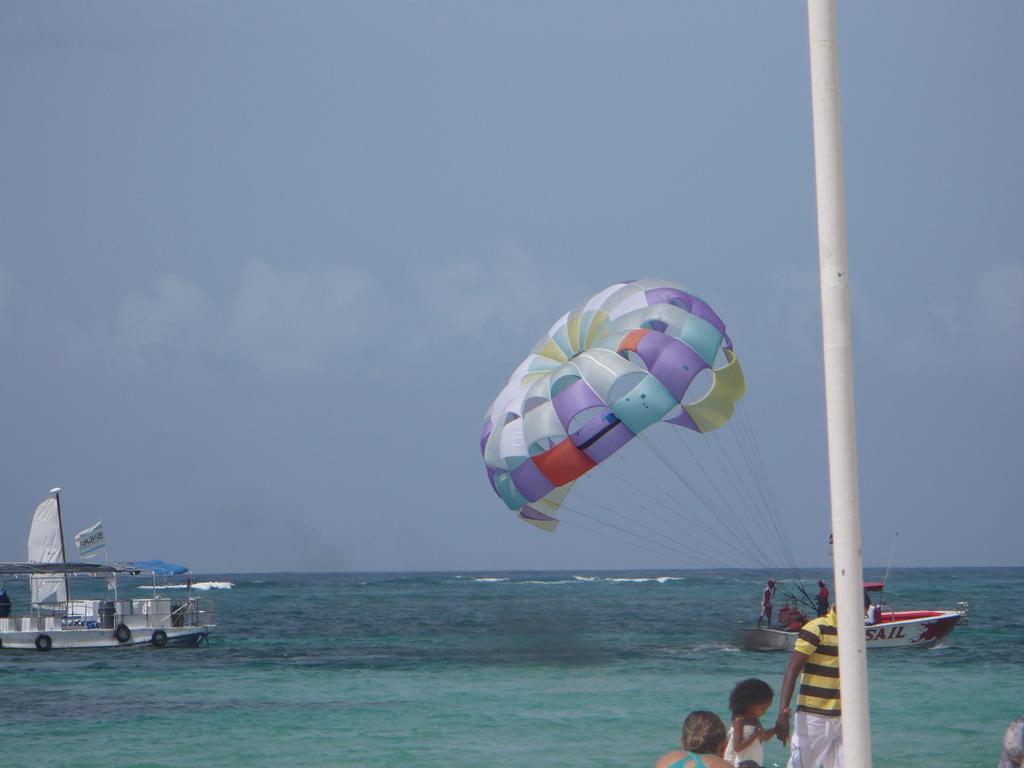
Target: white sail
45	546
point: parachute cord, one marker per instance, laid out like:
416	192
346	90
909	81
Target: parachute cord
742	492
605	535
685	547
749	498
764	516
619	513
679	510
745	438
736	430
802	599
744	423
745	494
751	544
762	473
731	529
664	548
747	542
745	419
771	494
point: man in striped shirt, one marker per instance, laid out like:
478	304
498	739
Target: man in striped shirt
817	726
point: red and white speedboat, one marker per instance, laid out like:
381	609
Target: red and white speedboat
891	629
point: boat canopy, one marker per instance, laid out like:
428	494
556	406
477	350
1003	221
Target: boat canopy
34	569
159	567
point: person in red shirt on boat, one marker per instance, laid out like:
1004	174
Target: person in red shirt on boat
791	618
766	603
822	598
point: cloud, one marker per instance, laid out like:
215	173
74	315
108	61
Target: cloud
175	311
285	323
914	332
786	316
999	310
512	291
292	323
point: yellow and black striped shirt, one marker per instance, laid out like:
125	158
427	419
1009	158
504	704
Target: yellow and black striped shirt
819	683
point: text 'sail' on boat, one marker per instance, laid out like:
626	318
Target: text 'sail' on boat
891	629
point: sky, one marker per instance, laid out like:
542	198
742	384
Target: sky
264	266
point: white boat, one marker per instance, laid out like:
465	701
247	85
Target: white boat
92	622
53	618
891	629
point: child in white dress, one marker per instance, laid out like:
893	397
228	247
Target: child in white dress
749	700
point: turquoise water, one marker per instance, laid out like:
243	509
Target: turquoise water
506	669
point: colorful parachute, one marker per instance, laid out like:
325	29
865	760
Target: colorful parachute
604	373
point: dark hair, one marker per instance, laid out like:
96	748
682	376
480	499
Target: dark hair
703	733
749	692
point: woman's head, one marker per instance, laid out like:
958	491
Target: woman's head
750	694
704	733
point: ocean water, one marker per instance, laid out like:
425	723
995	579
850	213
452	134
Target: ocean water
504	669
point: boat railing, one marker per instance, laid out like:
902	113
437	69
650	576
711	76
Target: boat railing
962	608
150	612
193	612
157	612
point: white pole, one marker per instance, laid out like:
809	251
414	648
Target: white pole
63	556
838	354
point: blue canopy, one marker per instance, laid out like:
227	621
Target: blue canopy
159	567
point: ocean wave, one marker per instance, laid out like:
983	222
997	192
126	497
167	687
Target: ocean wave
200	585
635	580
721	647
576	579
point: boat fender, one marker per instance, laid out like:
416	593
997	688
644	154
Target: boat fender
122	634
43	643
159	638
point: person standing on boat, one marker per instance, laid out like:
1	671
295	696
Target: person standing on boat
871	611
822	598
766	604
817	727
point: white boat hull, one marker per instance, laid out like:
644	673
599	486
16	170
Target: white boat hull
907	629
100	638
91	623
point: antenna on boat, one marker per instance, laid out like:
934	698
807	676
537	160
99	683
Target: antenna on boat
837	342
63	555
889	564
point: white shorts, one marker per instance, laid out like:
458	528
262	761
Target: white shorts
816	741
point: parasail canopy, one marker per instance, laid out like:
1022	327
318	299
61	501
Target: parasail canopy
622	361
